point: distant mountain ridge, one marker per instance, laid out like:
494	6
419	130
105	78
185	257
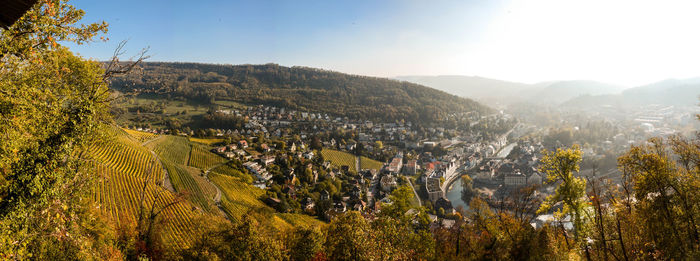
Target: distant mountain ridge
677	92
491	90
474	87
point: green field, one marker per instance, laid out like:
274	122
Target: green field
206	141
230	104
339	158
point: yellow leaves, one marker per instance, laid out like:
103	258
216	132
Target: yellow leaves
50	8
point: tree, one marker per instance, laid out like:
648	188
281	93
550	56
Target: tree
467	189
666	193
316	143
401	202
571	192
51	107
378	144
148	220
222	240
349	237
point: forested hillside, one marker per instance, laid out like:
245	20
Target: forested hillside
299	88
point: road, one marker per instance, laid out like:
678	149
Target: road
372	190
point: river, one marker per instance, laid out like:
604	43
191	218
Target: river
454	193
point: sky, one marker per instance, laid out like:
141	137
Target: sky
624	42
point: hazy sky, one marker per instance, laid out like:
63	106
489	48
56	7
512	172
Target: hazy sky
622	42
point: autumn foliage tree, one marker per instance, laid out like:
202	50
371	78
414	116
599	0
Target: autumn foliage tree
560	166
51	104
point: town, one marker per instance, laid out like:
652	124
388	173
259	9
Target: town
323	166
312	163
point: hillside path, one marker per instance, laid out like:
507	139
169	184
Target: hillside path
151	140
166	178
167	185
357	164
217	198
414	192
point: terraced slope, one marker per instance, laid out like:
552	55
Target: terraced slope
123	166
140	135
228	171
187	180
172	148
202	158
126	156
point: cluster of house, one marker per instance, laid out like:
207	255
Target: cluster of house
513	173
306	124
352	202
273	121
149	130
233	150
260	173
256	162
366	179
438	175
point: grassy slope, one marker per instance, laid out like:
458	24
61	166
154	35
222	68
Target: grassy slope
228	171
172	148
183	180
367	163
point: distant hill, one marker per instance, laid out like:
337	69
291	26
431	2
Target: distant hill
677	92
300	88
671	92
490	90
474	87
561	91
